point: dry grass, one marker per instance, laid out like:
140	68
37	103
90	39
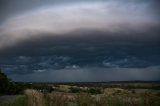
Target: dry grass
111	97
34	98
57	99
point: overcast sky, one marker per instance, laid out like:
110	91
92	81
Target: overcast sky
80	40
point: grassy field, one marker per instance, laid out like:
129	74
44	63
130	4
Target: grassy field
16	100
72	95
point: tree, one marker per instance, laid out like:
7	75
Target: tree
4	83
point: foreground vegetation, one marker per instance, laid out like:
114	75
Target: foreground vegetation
79	94
109	97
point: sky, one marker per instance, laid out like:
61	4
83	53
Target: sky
80	40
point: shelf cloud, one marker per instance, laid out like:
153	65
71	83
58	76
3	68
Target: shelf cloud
80	40
106	16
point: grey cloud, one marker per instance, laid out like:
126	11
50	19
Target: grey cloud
126	62
92	74
103	16
23	59
81	41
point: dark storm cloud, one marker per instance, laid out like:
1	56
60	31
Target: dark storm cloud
79	52
91	75
80	41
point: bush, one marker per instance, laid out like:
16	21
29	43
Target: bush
84	99
95	90
75	90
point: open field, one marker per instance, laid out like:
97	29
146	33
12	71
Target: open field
83	95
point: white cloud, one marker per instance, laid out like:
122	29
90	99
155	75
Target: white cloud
72	67
40	70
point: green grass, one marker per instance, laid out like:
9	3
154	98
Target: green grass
20	100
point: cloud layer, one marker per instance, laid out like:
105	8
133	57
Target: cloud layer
91	75
82	41
110	16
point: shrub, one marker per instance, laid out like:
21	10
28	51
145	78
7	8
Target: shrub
84	99
95	90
